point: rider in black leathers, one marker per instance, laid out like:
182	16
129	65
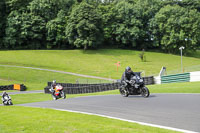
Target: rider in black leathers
126	77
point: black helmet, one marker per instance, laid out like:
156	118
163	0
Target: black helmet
127	69
4	93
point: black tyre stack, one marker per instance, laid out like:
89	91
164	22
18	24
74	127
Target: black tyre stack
84	88
11	87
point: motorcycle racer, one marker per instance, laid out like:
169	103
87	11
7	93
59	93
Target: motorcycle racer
126	76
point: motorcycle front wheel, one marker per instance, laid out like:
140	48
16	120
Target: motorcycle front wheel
123	91
10	103
63	95
145	92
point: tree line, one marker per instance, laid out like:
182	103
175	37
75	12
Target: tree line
66	24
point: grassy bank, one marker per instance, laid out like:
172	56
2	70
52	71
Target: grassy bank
37	79
21	119
95	62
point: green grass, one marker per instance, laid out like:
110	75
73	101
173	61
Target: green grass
95	62
195	54
38	120
185	87
30	98
37	79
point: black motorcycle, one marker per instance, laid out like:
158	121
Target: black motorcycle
135	86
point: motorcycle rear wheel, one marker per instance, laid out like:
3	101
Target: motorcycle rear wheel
63	95
4	103
145	92
123	91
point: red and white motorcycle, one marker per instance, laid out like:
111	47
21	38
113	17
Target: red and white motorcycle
58	92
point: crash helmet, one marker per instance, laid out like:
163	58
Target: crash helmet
128	70
4	93
54	82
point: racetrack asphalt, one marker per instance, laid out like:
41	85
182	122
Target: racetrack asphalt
180	111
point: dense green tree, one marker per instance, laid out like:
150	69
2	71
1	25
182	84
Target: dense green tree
126	27
84	26
175	26
48	9
108	14
54	15
17	5
145	11
190	4
13	25
33	30
108	1
141	24
56	31
2	21
24	31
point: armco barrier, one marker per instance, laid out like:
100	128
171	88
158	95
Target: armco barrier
194	76
148	80
19	87
183	77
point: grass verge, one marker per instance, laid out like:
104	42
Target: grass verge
185	87
16	119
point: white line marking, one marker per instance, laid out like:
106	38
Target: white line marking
142	123
178	93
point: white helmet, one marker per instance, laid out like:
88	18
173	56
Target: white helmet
54	81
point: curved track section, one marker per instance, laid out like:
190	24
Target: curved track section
180	111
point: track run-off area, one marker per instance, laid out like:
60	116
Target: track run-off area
180	112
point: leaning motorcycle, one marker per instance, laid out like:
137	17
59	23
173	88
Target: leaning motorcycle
135	86
7	100
58	93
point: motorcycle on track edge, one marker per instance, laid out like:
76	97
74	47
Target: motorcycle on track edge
135	86
58	92
7	100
